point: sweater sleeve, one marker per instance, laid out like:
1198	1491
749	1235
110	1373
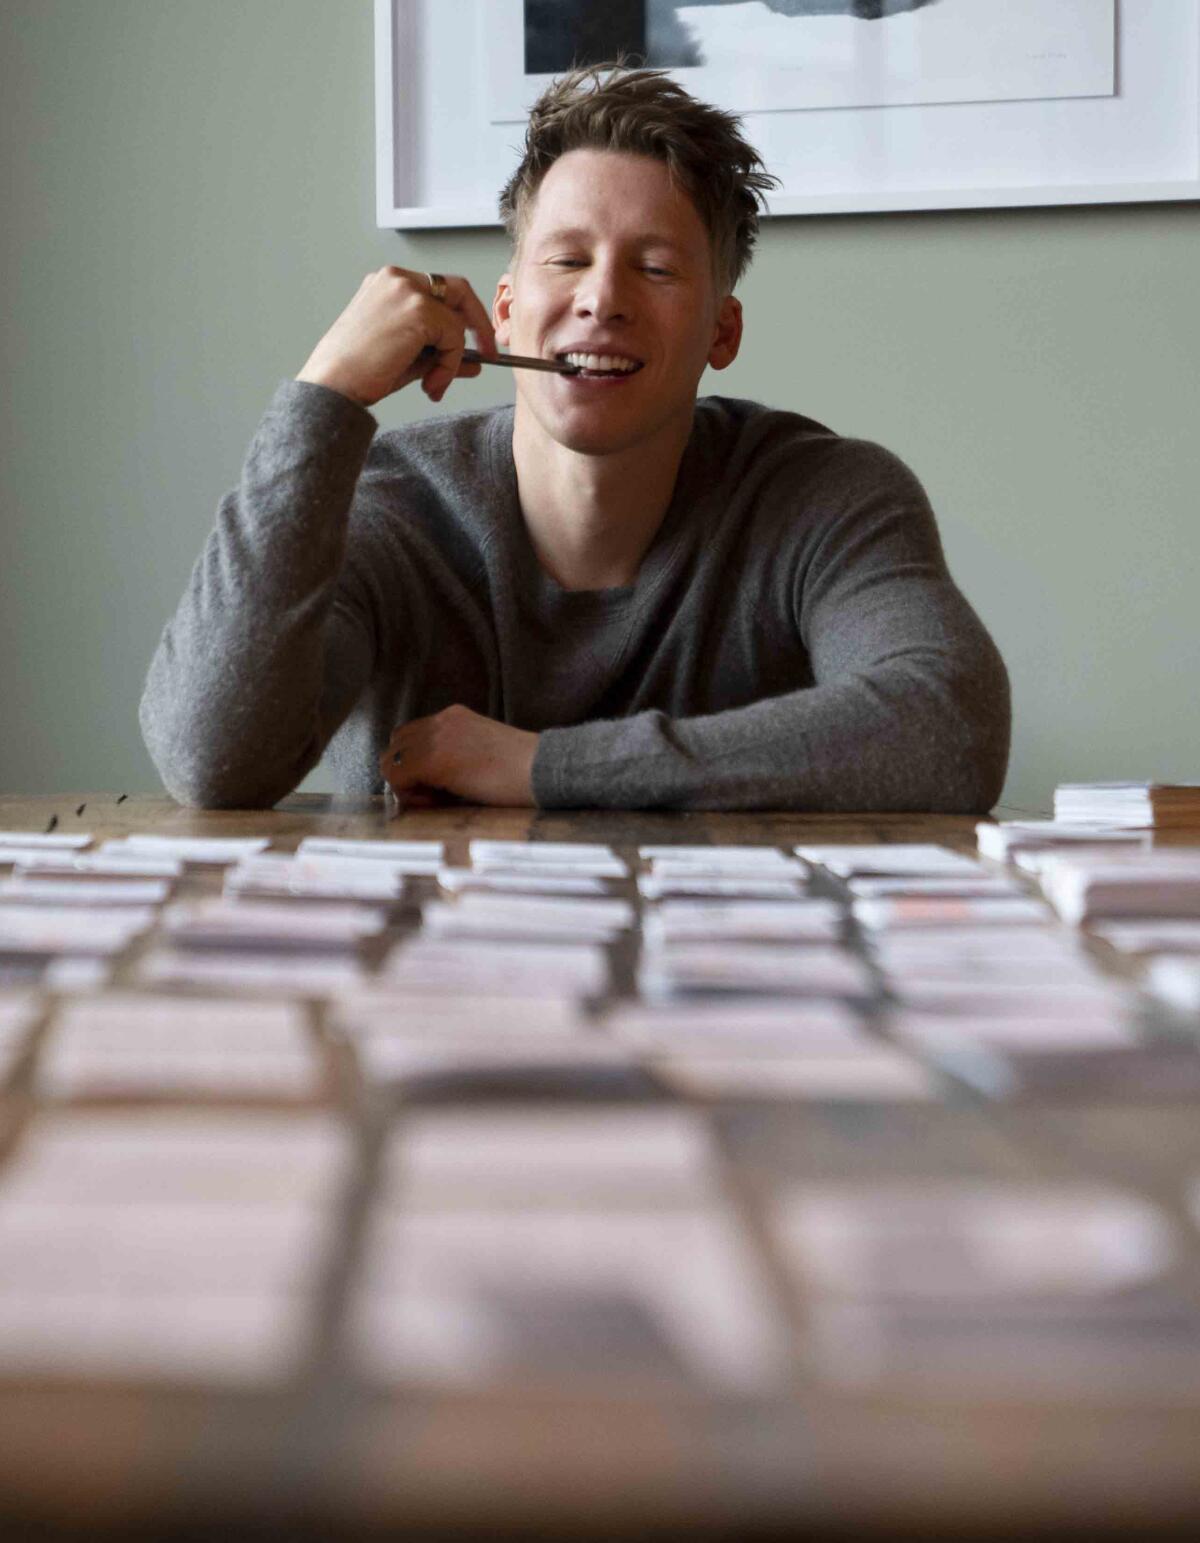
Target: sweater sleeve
264	656
908	708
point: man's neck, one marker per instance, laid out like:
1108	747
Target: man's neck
593	518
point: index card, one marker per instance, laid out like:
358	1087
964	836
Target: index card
741	1026
968	887
869	1076
237	1340
417	1059
73	1066
318	877
257	923
503	968
717	856
189	849
1007	837
963	1241
128	1021
700	885
748	920
911	859
30	841
377	1013
184	1157
410	857
922	911
89	864
530	1154
969	998
577	857
1150	937
750	967
223	970
466	880
577	1302
70	930
940	1033
528	916
102	1251
83	892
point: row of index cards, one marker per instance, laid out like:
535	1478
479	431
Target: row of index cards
538	1247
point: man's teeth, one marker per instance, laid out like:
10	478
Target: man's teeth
608	363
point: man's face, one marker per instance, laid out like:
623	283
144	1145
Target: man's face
614	264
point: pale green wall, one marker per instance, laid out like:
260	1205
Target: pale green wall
187	200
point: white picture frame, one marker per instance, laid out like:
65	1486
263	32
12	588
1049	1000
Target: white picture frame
441	159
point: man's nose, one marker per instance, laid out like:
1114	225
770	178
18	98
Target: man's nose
603	293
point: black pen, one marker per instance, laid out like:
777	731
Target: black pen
514	361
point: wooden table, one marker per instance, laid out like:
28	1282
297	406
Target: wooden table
329	1457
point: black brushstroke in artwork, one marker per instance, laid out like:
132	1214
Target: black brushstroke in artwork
560	34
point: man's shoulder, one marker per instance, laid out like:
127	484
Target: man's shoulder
451	445
755	433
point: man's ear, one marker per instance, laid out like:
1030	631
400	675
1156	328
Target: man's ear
728	336
501	309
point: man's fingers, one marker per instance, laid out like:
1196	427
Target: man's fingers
462	298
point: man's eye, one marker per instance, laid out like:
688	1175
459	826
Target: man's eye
663	273
566	262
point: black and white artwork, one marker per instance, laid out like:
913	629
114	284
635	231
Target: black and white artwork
789	55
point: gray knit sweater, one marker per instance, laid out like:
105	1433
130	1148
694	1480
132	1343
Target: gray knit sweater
793	640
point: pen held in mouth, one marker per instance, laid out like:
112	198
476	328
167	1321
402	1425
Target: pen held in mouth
513	361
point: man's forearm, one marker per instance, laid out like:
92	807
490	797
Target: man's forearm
904	737
236	707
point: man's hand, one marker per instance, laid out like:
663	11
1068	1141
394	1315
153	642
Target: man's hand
460	752
374	347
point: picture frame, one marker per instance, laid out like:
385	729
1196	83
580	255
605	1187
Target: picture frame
444	147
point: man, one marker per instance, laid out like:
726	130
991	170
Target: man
613	594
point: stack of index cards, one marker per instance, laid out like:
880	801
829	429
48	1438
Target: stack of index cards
205	850
581	859
501	968
731	872
1002	840
184	1247
538	918
320	876
127	1046
587	1250
766	1048
1135	804
17	845
970	1289
1162	882
917	860
406	857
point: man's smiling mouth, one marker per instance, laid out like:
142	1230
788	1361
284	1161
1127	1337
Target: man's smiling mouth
592	365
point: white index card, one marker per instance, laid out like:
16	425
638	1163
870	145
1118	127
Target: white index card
182	1157
537	969
814	968
237	1340
127	1021
223	969
578	857
957	1241
318	877
740	857
869	1076
575	1301
739	1026
190	849
701	884
901	911
94	865
521	1153
745	920
46	929
410	857
916	859
375	1012
32	841
259	923
83	892
466	880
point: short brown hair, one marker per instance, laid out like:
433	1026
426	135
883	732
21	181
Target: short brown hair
644	112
